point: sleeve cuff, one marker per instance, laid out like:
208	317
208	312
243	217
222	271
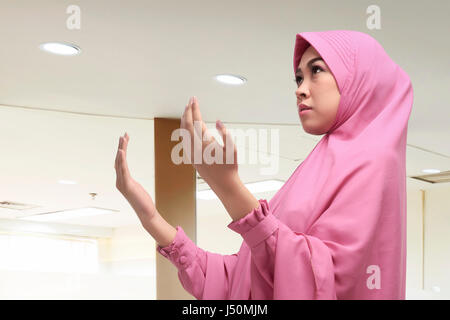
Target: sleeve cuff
181	252
257	225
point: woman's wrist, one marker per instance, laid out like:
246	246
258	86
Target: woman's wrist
162	231
224	189
236	198
246	202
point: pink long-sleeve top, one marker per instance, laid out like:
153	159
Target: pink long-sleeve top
337	228
228	276
249	274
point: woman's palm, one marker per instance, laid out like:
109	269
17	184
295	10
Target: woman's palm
136	195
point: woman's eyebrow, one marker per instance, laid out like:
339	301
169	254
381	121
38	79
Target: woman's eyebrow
309	63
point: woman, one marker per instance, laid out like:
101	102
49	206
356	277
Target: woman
337	227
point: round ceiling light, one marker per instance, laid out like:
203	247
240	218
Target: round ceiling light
230	79
67	182
431	170
60	48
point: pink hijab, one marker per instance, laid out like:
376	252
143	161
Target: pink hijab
348	197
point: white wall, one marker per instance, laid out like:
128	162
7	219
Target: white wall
428	254
437	241
414	253
62	286
126	270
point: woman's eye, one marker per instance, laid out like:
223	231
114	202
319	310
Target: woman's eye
299	79
316	68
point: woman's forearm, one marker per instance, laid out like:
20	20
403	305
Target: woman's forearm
162	231
236	198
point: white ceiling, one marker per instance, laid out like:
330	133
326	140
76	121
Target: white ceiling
144	59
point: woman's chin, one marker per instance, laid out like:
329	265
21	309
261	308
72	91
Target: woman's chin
313	130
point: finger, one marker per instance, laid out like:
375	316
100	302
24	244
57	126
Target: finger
183	117
182	126
116	162
206	135
197	117
230	149
213	140
124	165
122	162
125	145
227	138
188	116
222	130
189	126
118	169
120	142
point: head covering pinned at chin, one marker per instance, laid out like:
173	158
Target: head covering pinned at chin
348	197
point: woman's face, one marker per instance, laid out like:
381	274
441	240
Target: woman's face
317	89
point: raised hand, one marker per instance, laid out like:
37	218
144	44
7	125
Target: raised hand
224	173
123	177
136	195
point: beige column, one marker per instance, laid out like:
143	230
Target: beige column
175	200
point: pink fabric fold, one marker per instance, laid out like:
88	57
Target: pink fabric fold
337	228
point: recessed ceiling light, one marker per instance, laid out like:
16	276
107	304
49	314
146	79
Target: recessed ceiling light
67	182
253	187
65	49
431	170
230	79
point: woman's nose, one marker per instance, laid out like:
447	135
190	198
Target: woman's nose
301	93
302	90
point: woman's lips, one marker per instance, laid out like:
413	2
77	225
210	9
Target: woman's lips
303	109
303	106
